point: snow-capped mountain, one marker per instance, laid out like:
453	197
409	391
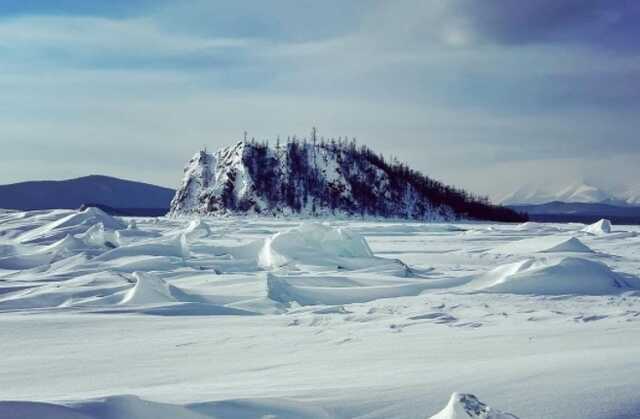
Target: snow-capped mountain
577	193
632	196
320	178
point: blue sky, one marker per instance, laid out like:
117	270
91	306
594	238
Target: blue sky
487	95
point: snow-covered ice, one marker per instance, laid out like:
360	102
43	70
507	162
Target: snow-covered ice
230	317
598	228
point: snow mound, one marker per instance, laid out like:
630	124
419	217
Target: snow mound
467	406
567	275
317	245
599	228
531	226
545	244
77	222
89	216
86	290
61	249
149	290
174	246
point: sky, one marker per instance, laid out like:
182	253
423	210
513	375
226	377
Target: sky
487	95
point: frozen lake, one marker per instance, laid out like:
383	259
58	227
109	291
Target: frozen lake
102	317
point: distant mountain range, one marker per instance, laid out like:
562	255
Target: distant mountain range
115	195
577	193
576	203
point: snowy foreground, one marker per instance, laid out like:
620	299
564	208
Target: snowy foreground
102	317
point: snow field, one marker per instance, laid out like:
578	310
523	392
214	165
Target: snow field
254	317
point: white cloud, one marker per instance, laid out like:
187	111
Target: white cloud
136	97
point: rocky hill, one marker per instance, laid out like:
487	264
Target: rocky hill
320	178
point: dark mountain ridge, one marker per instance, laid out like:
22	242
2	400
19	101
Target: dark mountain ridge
123	195
581	212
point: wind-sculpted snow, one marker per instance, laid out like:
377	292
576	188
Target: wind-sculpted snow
149	290
319	245
545	244
566	275
241	317
343	290
74	223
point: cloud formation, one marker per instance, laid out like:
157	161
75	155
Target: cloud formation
474	93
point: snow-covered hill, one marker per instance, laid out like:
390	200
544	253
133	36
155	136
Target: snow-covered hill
334	178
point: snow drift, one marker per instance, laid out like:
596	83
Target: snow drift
78	222
566	275
88	216
310	291
359	287
533	227
100	288
544	244
149	290
467	406
175	246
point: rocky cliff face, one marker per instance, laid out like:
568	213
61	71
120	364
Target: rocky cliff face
313	179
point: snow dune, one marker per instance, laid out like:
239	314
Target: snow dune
337	291
174	246
76	222
565	275
544	244
149	290
533	227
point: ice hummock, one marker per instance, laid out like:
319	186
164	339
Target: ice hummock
317	244
78	222
467	406
197	229
98	235
599	228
